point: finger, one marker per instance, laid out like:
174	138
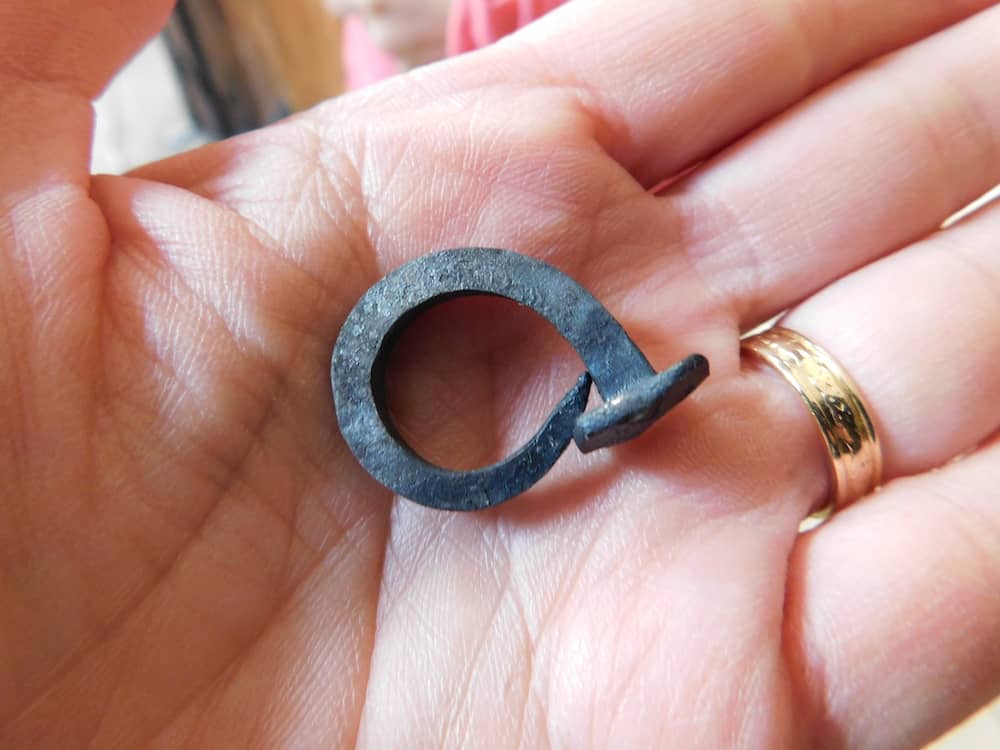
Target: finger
919	332
676	81
860	169
73	46
895	611
891	607
55	57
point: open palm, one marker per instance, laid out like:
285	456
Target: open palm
190	556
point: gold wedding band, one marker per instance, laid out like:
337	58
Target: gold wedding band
835	403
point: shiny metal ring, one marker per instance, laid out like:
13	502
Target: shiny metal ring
834	400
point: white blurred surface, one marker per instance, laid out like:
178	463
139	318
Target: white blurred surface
142	116
981	732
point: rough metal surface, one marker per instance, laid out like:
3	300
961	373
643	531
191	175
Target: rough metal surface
634	395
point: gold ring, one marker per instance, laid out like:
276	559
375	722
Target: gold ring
835	403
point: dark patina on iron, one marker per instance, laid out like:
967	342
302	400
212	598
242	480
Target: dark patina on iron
634	394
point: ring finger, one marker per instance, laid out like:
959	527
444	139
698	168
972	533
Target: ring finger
919	332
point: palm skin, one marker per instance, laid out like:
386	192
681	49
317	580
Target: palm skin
191	556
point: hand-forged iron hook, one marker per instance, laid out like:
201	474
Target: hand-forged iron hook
634	395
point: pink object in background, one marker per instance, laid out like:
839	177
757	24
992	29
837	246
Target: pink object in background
364	63
474	24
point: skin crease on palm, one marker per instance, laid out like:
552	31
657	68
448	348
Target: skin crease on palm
189	556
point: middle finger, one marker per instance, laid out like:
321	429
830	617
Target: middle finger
872	163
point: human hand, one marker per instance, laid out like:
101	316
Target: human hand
190	556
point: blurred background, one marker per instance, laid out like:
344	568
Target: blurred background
222	67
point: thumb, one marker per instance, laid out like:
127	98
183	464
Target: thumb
55	57
72	45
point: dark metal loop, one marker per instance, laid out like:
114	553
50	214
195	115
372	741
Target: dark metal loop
634	395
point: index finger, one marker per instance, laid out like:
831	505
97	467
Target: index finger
671	82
